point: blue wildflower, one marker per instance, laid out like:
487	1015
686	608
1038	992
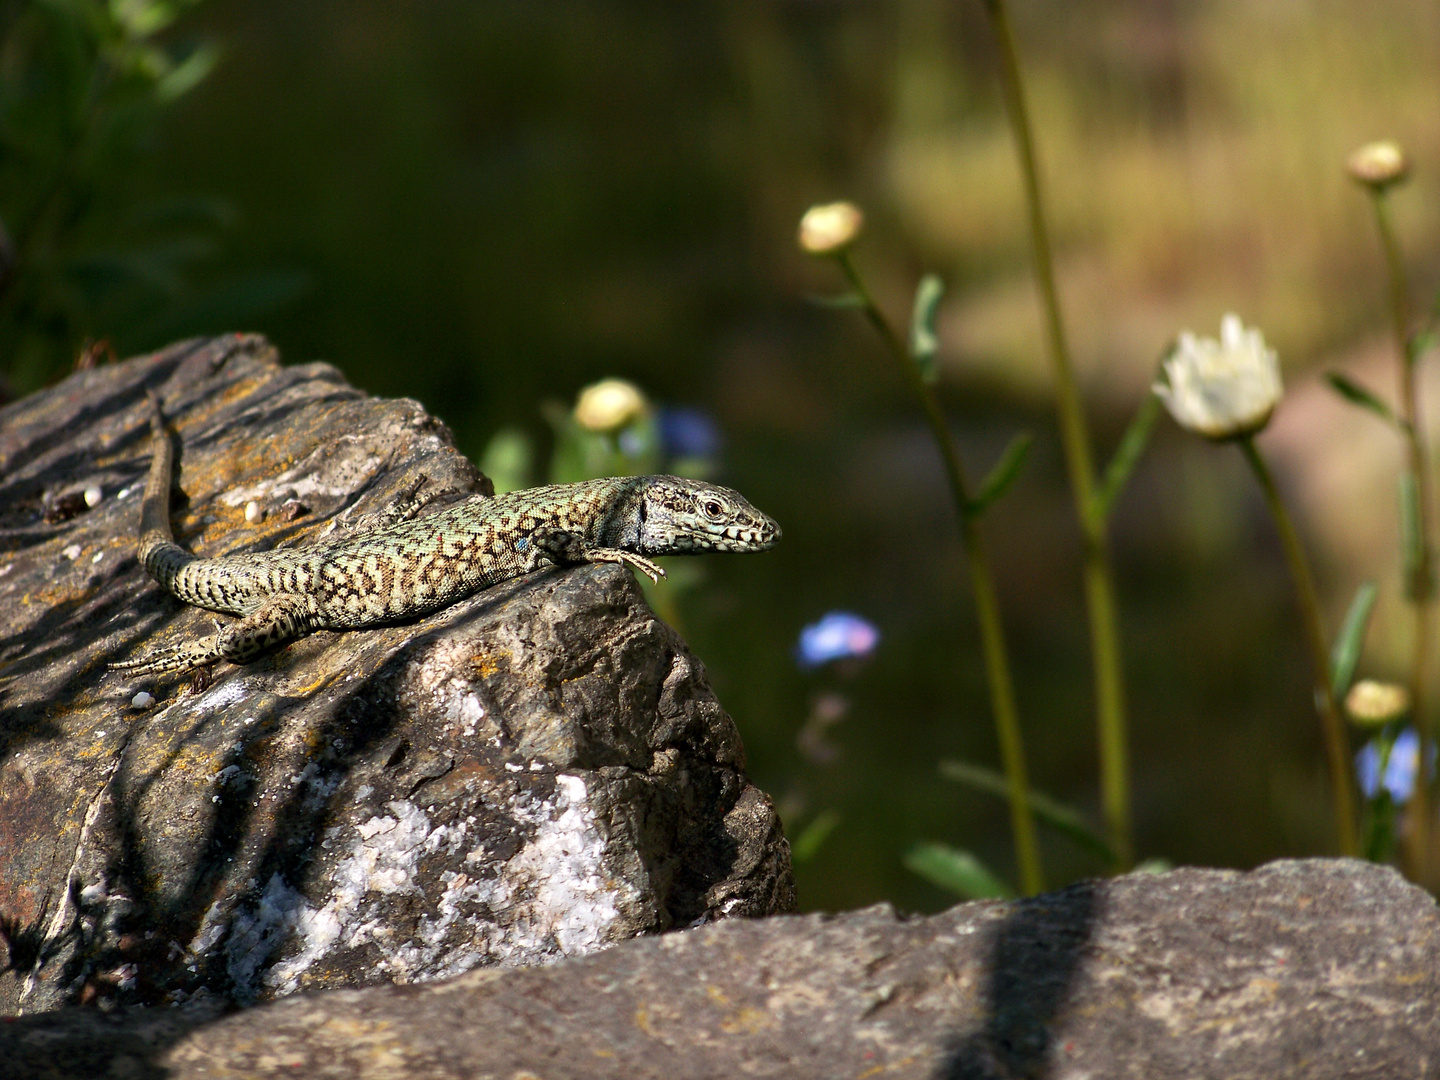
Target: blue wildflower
1400	769
839	635
688	433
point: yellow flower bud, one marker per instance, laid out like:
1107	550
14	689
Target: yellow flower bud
830	229
1378	164
609	405
1370	702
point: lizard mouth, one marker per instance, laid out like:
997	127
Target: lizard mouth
758	537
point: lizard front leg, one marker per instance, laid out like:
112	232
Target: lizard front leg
566	547
280	619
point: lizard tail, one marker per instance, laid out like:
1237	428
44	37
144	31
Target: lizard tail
162	558
155	508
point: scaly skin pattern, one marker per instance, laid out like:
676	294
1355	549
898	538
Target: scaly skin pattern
417	566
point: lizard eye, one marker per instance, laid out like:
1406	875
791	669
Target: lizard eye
712	508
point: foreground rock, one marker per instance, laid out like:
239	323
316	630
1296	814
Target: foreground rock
539	772
1314	969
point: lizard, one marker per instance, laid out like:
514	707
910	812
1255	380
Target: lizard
418	565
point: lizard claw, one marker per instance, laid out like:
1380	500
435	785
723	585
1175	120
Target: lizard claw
170	658
626	558
651	570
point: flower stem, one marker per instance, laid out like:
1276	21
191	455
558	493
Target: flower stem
1420	590
1313	623
987	608
1098	577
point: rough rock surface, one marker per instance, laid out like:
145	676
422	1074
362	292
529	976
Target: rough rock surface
1307	970
540	771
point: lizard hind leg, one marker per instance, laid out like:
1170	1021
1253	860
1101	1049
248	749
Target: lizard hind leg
280	619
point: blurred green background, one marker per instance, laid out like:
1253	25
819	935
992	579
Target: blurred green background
485	206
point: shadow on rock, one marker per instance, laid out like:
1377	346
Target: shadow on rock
1037	955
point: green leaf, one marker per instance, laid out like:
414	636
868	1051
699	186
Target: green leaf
845	301
1345	655
924	341
1154	866
1127	456
1356	394
1048	811
142	18
581	454
187	74
1003	474
955	871
508	460
813	836
1379	819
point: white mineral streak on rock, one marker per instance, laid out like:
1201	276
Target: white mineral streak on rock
455	696
384	859
227	693
566	864
471	712
255	934
554	895
225	775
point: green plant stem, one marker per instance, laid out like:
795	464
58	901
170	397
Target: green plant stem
1099	580
1421	590
987	608
1313	623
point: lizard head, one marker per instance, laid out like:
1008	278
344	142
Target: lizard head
679	516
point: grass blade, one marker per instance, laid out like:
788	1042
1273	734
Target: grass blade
956	871
1047	811
1127	456
1345	655
813	836
1356	394
845	301
1003	474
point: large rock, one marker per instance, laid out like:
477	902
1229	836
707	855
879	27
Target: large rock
540	771
1310	970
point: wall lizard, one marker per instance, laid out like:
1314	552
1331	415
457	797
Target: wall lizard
416	566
